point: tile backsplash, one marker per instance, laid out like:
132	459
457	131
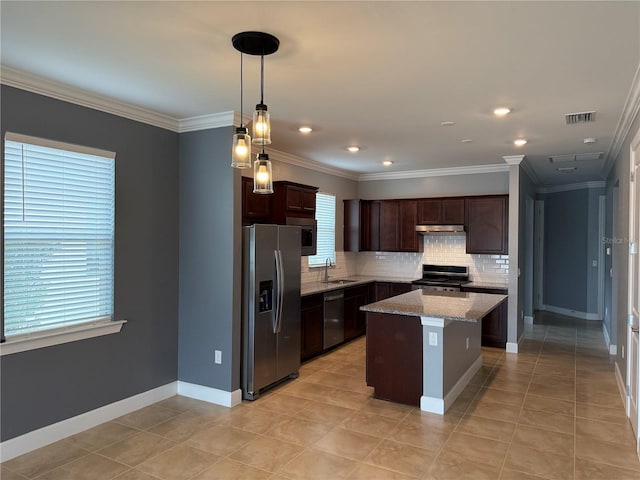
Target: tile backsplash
438	250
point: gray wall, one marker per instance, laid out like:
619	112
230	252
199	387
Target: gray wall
451	185
566	218
210	260
47	385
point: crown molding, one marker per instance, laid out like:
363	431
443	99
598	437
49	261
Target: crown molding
310	164
572	186
204	122
627	117
513	159
43	86
434	172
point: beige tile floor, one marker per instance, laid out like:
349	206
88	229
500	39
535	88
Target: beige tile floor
553	411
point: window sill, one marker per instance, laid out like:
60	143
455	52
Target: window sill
23	343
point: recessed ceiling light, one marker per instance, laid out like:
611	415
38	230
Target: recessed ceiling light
590	140
353	149
387	163
466	140
501	111
447	124
518	142
305	129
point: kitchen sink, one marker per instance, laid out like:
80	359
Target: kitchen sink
342	281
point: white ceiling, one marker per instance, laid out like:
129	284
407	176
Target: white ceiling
383	75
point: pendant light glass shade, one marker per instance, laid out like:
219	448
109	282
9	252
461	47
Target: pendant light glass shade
261	125
241	149
262	177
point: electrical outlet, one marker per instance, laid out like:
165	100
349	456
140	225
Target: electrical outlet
218	357
433	339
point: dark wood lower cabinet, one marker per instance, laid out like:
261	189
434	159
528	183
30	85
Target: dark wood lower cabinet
354	319
384	290
311	325
494	324
394	357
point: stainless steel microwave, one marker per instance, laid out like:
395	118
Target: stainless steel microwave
308	234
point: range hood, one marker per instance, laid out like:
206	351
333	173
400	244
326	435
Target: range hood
428	229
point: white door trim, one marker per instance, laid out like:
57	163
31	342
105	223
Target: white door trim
602	201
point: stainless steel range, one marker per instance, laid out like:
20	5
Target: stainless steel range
442	278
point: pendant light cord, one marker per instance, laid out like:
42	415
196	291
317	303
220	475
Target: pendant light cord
261	78
241	77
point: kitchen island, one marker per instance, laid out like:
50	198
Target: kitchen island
423	347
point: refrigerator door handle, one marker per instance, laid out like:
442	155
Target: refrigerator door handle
280	283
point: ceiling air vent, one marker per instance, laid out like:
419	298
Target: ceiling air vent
575	157
580	117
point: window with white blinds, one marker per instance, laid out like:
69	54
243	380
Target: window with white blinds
59	208
326	240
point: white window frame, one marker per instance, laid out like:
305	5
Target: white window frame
324	230
21	342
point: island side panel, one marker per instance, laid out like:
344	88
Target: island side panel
458	358
394	357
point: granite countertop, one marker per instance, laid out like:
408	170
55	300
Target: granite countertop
488	285
463	306
320	287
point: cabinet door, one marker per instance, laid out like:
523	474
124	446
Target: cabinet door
494	327
486	222
294	199
494	324
309	201
352	235
399	288
374	226
410	240
430	211
389	216
354	319
381	290
311	326
254	207
453	211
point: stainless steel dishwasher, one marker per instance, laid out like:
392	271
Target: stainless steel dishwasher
333	318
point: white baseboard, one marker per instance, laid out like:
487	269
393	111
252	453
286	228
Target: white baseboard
512	347
209	394
528	319
571	313
613	349
441	405
52	433
622	389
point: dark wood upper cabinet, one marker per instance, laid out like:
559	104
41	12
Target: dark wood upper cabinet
486	224
430	211
409	240
256	208
292	200
453	211
441	211
389	217
389	225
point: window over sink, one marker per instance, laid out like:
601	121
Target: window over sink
326	233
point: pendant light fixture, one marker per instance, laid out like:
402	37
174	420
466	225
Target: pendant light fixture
241	147
259	43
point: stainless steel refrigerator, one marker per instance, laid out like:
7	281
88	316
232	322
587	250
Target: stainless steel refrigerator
271	306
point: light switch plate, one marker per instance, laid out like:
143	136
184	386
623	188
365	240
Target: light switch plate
433	339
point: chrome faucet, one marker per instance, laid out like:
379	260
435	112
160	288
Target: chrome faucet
327	264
